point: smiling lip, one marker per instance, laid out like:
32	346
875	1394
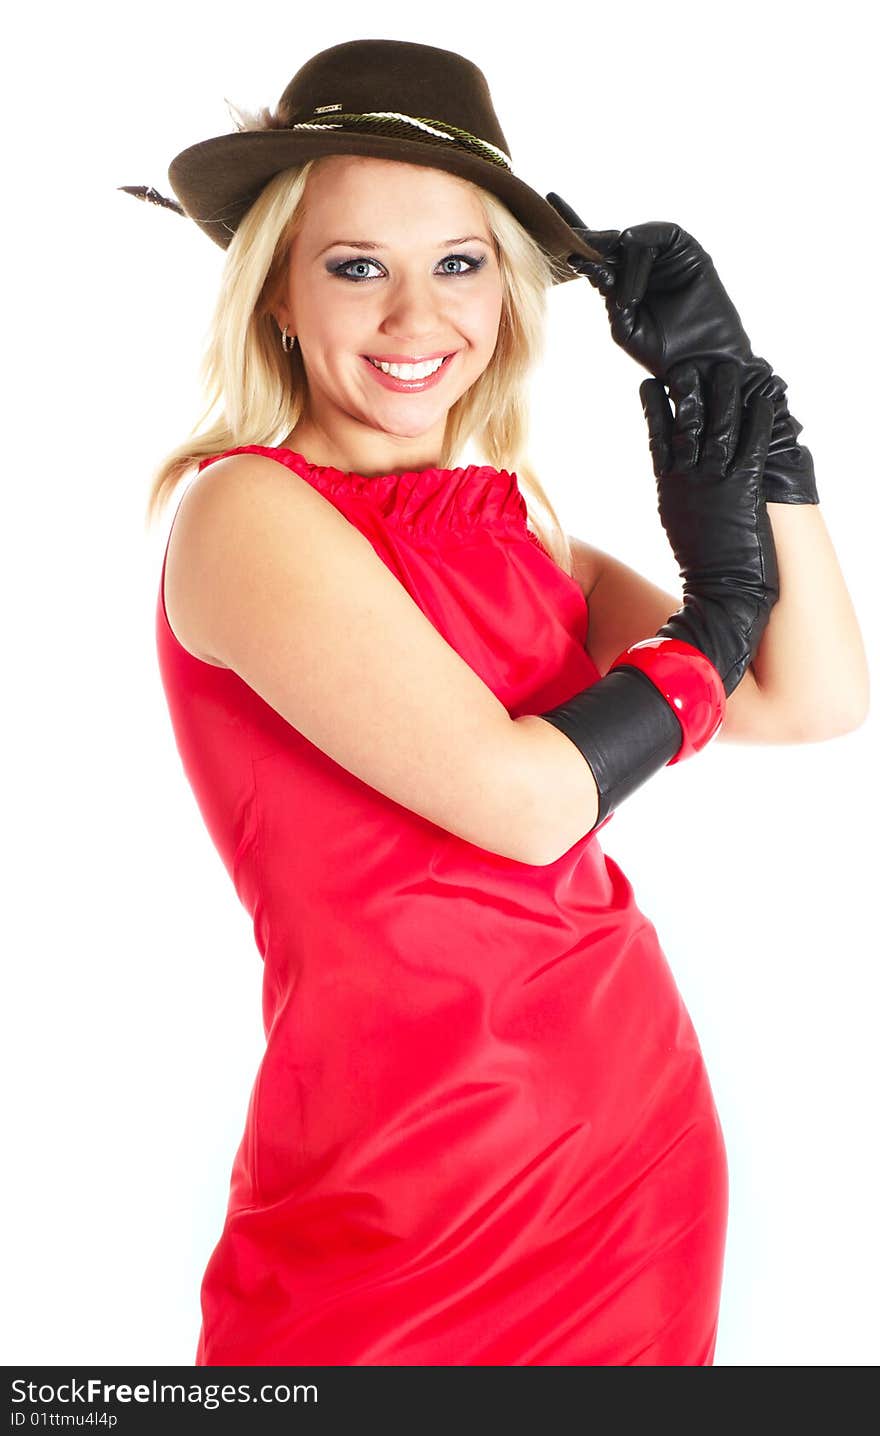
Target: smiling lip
406	358
408	386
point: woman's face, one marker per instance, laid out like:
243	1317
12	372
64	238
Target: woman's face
394	262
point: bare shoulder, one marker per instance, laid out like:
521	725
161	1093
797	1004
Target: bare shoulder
210	505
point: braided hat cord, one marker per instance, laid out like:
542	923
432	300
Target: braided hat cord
430	131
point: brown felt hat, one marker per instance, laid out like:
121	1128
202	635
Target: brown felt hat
391	99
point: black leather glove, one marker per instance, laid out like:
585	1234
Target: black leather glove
708	462
665	304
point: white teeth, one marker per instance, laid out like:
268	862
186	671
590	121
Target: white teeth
409	371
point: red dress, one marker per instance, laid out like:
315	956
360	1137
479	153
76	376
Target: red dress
481	1132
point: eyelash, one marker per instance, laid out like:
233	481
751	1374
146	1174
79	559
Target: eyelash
473	265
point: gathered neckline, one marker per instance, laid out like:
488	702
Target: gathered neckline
331	472
432	504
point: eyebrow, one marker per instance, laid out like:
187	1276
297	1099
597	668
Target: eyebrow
369	244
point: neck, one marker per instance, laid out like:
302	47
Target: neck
369	452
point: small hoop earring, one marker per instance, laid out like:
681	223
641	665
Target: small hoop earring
286	342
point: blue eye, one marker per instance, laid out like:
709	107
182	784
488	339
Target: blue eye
339	269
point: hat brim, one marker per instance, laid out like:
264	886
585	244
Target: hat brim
218	180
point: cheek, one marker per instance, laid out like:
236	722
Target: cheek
324	309
485	318
328	314
332	329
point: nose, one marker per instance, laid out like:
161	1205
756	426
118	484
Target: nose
414	311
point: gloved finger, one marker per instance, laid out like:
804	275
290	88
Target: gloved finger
602	240
636	262
623	319
601	274
757	428
605	240
658	412
685	387
725	416
568	214
659	234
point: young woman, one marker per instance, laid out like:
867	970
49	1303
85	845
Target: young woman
482	1132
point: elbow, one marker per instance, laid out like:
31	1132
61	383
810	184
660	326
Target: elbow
551	836
831	716
851	711
539	847
562	801
847	717
832	726
861	708
542	859
848	723
856	718
552	852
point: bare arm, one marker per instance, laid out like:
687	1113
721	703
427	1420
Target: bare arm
811	662
809	679
278	585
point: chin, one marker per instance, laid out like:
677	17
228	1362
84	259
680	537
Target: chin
409	431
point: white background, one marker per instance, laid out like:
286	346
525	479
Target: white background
131	1028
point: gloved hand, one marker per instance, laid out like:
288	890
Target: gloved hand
707	461
665	304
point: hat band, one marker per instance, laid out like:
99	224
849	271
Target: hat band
429	131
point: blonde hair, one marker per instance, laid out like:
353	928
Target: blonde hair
261	391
